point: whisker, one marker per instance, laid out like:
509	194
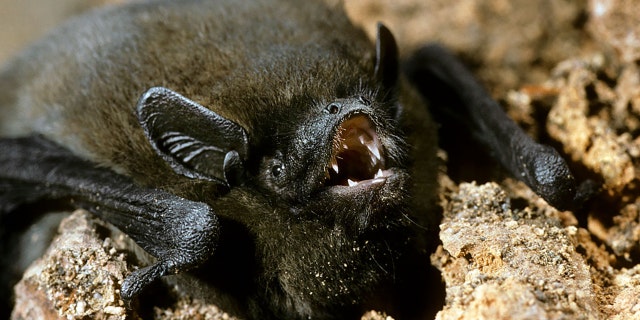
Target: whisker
373	257
413	222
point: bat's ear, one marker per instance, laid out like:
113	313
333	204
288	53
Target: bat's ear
386	69
195	141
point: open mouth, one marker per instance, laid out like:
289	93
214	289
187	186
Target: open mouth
358	157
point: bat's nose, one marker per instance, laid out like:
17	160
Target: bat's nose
334	108
343	107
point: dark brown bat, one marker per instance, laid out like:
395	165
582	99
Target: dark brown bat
269	135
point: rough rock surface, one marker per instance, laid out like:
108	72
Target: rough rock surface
79	276
617	24
501	263
568	72
186	309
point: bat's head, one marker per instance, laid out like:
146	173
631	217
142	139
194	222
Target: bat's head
341	157
343	162
335	153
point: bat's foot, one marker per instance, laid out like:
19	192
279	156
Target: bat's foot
140	279
186	239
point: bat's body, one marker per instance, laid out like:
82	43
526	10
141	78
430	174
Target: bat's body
292	78
267	146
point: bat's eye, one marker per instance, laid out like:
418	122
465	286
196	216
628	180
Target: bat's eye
277	170
274	171
274	174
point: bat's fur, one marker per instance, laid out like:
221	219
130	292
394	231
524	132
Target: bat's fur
268	65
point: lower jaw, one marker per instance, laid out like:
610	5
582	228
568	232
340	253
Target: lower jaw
375	206
374	184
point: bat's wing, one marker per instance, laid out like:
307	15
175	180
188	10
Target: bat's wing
20	182
179	232
454	93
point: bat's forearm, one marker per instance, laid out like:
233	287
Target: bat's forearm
179	232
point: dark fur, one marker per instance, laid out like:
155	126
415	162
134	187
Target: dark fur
285	250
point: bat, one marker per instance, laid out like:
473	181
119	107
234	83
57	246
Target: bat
271	136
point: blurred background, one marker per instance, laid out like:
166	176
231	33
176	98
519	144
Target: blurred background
507	41
22	21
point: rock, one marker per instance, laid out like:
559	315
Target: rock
591	119
616	24
499	263
187	309
79	276
594	115
373	315
626	304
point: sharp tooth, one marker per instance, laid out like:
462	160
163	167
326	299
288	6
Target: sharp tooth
335	167
378	174
345	146
374	150
362	139
351	183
